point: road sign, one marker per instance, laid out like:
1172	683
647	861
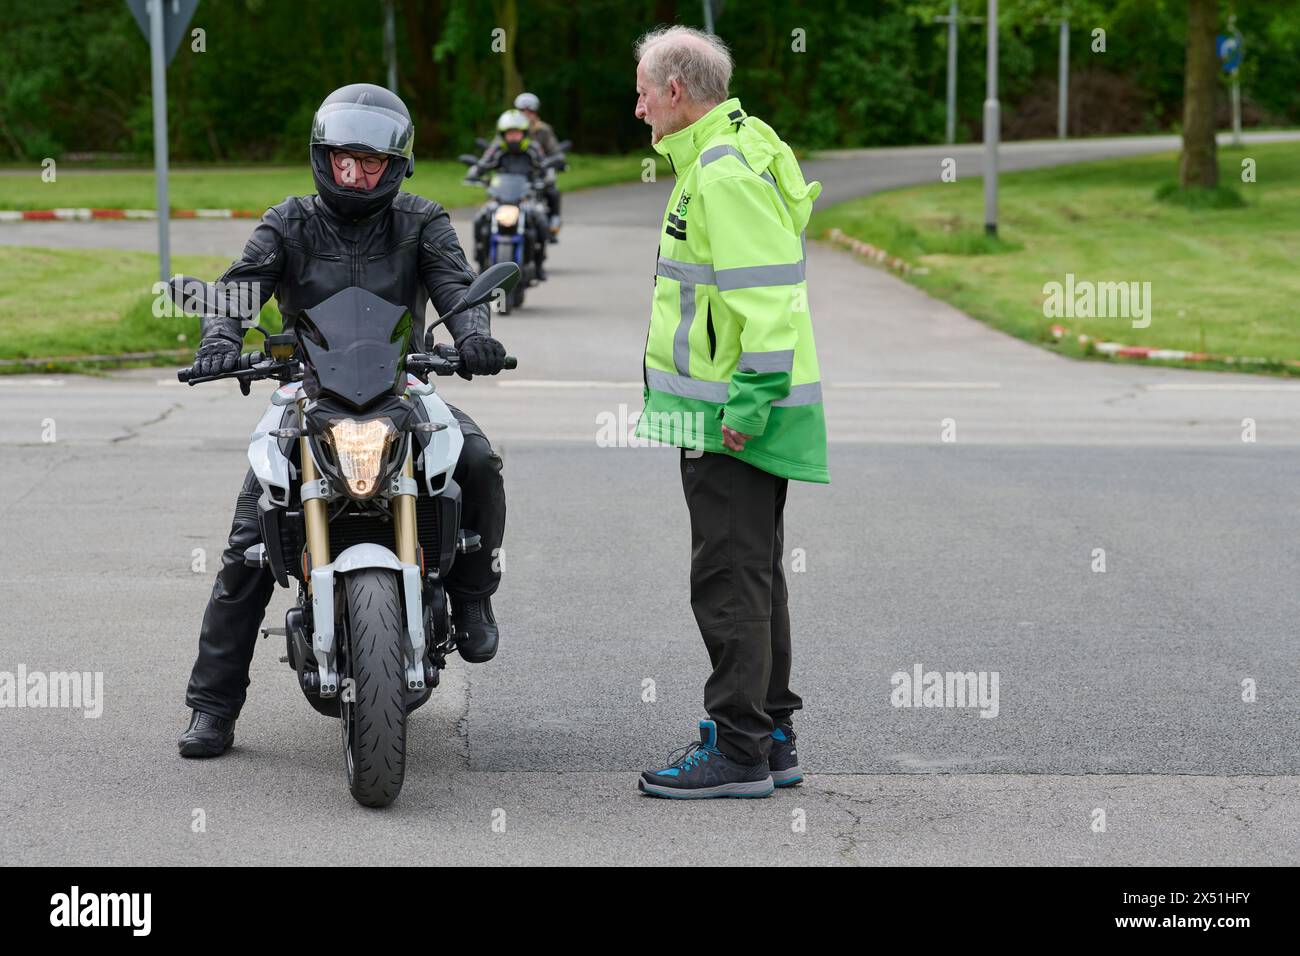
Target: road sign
176	17
1229	48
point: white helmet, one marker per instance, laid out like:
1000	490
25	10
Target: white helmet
528	101
512	119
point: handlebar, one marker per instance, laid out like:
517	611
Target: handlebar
253	365
443	360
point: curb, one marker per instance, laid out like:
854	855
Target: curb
1145	352
94	359
83	214
868	251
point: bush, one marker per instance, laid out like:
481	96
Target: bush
1198	197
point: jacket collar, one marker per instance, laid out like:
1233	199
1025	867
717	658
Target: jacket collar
684	146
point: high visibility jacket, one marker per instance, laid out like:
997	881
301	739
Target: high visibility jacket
731	338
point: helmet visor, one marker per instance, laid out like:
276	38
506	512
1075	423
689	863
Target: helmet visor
372	128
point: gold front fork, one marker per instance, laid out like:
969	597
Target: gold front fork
404	516
315	514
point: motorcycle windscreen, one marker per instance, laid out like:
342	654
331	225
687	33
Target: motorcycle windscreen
509	187
355	343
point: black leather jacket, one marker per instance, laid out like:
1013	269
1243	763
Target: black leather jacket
302	254
526	162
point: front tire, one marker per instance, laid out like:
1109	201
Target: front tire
374	722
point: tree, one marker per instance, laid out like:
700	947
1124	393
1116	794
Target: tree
1198	166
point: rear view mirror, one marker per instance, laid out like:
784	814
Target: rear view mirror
503	276
236	300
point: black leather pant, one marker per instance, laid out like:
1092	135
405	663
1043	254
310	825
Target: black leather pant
219	681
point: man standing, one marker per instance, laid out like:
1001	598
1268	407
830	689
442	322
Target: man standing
731	377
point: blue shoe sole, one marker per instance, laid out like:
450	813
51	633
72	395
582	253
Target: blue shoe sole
790	777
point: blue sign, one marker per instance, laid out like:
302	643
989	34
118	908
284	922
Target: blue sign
1228	46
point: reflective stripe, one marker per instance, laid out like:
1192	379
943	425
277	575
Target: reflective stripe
682	337
701	273
809	394
715	392
753	277
713	154
779	361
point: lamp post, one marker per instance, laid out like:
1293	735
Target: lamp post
992	127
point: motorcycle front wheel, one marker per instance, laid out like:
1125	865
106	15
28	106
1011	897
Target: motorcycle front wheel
373	708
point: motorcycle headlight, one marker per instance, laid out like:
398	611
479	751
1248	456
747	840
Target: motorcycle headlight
507	216
361	448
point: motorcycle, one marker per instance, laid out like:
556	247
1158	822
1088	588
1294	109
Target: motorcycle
511	224
360	510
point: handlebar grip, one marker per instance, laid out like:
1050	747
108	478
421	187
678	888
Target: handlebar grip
246	362
511	362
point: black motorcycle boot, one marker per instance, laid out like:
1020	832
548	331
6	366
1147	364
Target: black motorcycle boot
476	629
207	736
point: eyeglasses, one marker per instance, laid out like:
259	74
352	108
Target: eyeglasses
369	163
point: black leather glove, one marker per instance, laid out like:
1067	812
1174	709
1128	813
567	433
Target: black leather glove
480	355
217	353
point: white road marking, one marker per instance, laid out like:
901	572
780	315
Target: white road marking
18	381
588	383
914	385
564	383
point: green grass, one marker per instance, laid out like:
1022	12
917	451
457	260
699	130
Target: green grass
257	187
1223	280
57	302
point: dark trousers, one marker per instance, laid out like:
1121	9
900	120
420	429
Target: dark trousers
739	597
219	681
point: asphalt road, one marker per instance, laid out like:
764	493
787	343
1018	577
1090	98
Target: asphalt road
1119	691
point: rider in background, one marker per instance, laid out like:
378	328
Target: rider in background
541	133
513	151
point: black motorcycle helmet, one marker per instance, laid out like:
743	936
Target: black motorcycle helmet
365	118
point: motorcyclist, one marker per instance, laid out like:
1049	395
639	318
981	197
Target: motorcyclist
513	151
356	229
544	136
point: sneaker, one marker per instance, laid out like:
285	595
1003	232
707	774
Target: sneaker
701	770
783	761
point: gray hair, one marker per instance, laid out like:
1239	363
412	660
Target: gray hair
699	61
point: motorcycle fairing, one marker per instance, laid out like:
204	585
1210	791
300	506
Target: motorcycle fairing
358	346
